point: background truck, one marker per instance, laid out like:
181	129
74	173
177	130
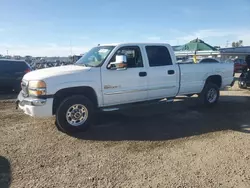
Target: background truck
110	77
11	74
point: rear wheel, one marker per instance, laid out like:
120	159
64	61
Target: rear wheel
210	94
242	84
74	114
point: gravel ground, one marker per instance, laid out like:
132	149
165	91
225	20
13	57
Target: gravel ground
179	145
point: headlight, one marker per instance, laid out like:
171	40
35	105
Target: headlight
37	88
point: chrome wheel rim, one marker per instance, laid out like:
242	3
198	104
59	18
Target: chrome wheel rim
212	95
77	114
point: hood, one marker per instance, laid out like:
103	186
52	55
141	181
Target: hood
54	71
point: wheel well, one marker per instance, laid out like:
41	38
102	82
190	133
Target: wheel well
64	93
215	79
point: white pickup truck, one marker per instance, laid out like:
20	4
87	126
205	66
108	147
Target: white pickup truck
110	77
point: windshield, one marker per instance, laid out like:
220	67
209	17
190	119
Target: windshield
95	57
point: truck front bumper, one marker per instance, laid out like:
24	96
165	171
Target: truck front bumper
35	107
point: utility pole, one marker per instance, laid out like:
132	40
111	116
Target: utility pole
7	52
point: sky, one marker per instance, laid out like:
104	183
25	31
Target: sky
65	27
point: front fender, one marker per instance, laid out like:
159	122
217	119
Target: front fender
52	89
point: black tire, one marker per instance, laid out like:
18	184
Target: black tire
204	98
242	86
61	120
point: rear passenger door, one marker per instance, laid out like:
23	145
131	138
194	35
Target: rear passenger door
163	75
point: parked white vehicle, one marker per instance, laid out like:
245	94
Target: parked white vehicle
110	77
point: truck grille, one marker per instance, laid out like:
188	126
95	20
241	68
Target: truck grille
24	86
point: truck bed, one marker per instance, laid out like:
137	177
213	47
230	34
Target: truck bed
193	75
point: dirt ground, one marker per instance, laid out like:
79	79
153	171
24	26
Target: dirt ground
179	145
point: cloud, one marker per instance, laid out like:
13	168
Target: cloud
44	50
214	36
52	45
172	36
154	38
245	37
205	33
187	11
84	38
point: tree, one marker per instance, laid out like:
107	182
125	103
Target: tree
237	44
240	42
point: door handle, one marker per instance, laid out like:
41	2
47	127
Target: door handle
171	72
142	74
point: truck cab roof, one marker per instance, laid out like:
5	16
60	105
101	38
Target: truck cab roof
134	43
12	60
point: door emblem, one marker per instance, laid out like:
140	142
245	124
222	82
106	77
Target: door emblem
110	87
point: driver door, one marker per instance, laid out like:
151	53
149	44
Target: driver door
128	85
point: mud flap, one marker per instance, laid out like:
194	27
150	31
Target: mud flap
17	104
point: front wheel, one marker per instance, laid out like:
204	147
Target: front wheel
74	114
210	94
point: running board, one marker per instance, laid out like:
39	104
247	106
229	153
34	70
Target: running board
109	109
115	108
166	100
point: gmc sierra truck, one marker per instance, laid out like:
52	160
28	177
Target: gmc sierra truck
110	77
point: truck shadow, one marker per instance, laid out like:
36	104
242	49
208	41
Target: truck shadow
5	173
171	121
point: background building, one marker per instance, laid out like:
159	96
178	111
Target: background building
202	50
199	47
233	53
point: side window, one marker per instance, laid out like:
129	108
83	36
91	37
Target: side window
133	54
13	66
158	56
19	66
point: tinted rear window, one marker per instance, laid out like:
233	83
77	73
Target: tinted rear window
158	56
13	66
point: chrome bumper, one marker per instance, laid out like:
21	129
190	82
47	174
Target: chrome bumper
35	107
29	101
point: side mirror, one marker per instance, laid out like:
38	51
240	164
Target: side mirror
120	63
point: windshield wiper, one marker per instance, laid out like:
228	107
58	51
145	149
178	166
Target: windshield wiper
84	65
87	65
